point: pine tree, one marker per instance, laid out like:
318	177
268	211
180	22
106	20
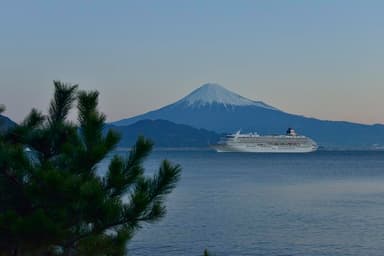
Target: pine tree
53	201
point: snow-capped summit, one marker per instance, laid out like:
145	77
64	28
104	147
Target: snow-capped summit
212	93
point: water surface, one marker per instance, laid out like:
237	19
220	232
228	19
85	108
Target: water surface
323	203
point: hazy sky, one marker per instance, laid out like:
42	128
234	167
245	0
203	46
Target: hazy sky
316	58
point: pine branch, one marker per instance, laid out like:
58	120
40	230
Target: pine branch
133	168
146	202
11	160
122	175
139	152
160	185
90	120
34	119
62	102
166	179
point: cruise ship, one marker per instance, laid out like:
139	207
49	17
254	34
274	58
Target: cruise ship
253	142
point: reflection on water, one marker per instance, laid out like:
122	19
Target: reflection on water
325	203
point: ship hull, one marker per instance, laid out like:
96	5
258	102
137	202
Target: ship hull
250	149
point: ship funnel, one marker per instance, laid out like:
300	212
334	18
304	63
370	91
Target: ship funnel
291	132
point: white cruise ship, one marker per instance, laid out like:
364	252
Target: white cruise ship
253	142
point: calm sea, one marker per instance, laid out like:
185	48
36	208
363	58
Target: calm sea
323	203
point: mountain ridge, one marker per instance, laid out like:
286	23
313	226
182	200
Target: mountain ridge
5	123
165	134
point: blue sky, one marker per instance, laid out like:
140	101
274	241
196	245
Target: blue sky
316	58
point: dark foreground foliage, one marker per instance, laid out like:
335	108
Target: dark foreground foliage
52	201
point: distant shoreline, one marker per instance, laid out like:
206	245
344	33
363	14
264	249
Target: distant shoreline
170	149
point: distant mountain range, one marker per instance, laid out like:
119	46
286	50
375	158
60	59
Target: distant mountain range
5	123
212	107
165	134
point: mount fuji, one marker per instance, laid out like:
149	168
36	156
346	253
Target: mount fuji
215	108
